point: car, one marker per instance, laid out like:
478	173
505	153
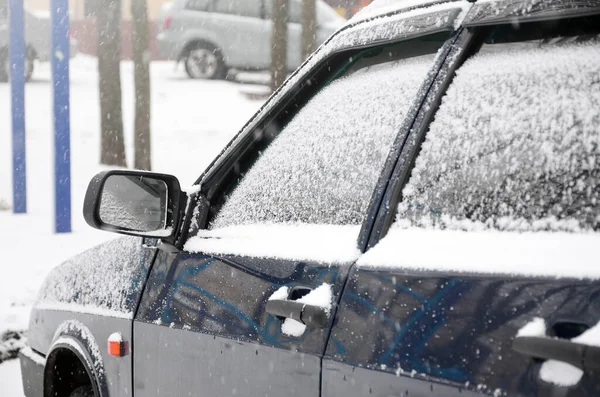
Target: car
37	41
211	37
415	212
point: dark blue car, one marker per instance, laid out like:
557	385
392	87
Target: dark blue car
416	212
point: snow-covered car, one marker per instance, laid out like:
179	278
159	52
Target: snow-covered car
416	212
37	41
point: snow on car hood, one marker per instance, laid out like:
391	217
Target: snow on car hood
106	279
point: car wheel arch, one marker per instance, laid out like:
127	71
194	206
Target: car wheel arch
74	347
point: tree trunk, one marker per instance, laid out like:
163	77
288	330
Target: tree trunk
109	53
279	43
141	72
309	27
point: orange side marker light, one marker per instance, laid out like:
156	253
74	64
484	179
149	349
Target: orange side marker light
117	347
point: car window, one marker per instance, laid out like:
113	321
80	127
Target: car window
323	165
247	8
324	12
198	5
515	144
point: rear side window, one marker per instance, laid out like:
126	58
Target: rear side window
245	8
323	165
515	144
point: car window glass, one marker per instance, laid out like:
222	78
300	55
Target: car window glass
323	165
247	8
294	10
515	144
198	5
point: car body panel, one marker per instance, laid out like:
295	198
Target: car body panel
202	309
99	289
428	329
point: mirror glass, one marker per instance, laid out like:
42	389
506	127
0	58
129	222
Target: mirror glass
134	203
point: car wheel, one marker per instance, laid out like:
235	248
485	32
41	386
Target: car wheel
204	61
83	391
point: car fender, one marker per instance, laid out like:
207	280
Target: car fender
76	337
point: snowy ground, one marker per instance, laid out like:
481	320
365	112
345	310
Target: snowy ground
191	122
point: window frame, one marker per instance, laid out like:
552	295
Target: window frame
469	43
198	211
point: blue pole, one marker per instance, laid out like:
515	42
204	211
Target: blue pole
62	141
16	56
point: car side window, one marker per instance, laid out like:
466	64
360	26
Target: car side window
294	10
246	8
323	165
515	144
198	5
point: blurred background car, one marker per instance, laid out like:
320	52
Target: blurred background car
37	41
211	37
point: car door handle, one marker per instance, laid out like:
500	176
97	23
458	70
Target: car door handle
584	357
310	315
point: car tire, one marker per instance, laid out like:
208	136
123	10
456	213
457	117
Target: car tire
204	61
83	391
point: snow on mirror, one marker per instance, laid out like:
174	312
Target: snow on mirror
134	203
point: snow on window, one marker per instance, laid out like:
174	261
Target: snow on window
105	280
515	145
536	327
323	166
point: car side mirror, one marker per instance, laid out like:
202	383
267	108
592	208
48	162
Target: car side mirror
137	203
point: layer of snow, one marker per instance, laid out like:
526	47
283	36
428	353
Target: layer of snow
291	327
107	277
321	297
557	372
324	164
115	337
80	308
515	143
536	327
82	333
488	252
319	243
35	357
281	294
563	374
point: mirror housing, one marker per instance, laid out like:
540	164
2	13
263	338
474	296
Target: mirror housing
136	203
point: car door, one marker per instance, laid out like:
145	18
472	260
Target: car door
282	226
241	33
495	229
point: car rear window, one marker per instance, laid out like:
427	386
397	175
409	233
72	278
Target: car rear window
324	164
515	144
